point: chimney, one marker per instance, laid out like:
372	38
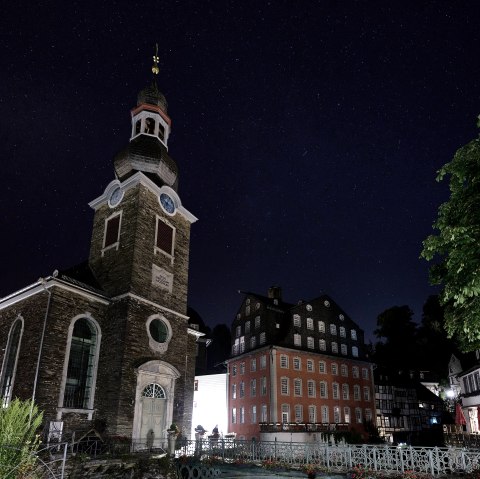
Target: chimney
275	292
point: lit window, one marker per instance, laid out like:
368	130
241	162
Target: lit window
263	362
242	415
80	378
355	351
309	323
297	387
263	386
366	393
254	414
325	414
298	413
310	367
343	349
264	417
336	415
284	386
334	367
335	391
322	344
234	391
310	342
10	363
164	237
346	414
242	344
311	388
284	361
345	392
323	390
321	327
296	320
356	392
285	413
297	364
334	347
322	367
344	370
368	415
358	415
333	329
342	332
111	237
297	340
353	334
253	342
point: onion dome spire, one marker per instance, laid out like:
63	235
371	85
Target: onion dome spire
148	147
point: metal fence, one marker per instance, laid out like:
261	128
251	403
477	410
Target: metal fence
338	457
47	462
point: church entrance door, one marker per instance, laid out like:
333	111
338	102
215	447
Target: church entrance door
153	424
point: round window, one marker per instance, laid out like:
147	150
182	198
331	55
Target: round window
158	330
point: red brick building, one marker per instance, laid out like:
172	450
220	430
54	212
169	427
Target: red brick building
297	364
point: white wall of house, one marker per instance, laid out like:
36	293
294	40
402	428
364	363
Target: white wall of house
210	403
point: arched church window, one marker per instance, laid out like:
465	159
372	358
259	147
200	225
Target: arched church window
149	126
10	362
154	390
81	365
138	126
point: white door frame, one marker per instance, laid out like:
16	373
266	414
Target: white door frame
161	373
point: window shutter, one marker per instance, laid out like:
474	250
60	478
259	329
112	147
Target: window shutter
164	236
111	235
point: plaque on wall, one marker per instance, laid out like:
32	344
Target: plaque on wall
162	278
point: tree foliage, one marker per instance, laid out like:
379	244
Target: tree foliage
454	248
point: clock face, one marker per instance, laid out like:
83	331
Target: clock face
167	203
115	197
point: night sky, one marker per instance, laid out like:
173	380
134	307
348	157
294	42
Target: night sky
307	133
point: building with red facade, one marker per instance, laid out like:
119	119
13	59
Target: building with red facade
297	368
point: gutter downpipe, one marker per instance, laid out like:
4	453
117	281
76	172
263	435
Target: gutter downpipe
40	350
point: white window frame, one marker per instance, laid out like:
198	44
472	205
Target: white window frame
117	243
284	386
311	389
355	351
310	323
297	387
310	342
322	345
322	367
284	361
5	400
157	250
91	400
310	366
297	322
321	326
297	339
297	363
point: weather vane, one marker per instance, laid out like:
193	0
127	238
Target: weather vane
155	68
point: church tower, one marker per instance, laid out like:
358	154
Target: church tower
139	255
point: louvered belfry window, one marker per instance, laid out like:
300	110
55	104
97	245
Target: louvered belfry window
111	233
164	237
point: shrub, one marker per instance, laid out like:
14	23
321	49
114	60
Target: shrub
19	423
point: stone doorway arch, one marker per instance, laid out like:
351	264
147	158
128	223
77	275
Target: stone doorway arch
154	400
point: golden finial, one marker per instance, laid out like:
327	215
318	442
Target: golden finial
155	68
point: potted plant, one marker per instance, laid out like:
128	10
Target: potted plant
172	432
